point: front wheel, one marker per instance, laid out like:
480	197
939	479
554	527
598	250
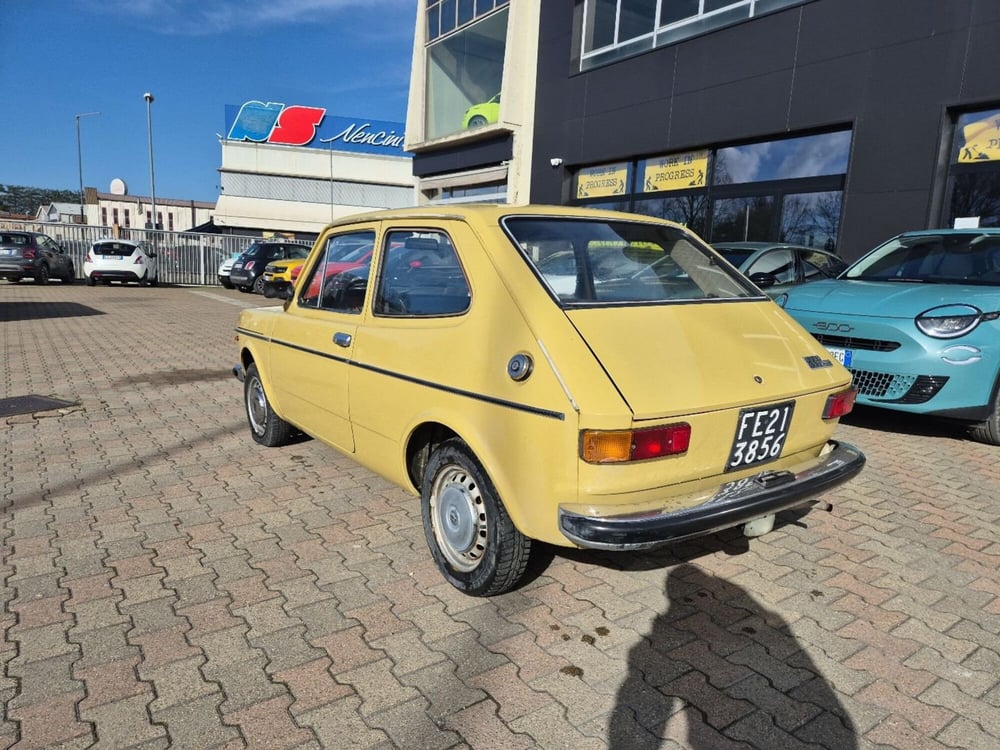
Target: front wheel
472	539
477	121
266	427
988	431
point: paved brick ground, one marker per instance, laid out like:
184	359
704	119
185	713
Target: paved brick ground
166	582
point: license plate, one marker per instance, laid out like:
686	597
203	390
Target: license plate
844	356
760	435
7	251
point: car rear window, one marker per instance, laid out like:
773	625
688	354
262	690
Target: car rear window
597	261
120	249
19	240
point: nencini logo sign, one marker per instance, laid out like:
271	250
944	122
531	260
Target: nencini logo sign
296	125
276	123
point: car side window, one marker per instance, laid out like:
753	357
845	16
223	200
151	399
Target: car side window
820	265
334	284
778	263
421	276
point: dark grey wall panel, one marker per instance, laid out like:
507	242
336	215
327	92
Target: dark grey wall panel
891	69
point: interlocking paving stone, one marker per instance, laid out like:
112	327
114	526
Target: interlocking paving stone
172	584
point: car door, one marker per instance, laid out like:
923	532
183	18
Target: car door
57	258
313	342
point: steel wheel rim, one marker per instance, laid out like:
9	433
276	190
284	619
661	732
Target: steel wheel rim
458	515
256	406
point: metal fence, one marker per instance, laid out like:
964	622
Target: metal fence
182	257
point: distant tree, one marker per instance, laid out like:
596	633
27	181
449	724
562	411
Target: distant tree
18	199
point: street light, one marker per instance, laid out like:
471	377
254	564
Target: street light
152	180
79	158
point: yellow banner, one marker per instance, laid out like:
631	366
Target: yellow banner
598	182
676	172
982	141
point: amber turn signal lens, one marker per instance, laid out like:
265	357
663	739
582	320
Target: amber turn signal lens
620	446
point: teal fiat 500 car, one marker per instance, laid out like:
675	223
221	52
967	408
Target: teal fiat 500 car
917	322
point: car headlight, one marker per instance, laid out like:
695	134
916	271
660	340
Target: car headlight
951	321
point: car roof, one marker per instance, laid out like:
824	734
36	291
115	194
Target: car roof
101	240
490	213
950	231
763	246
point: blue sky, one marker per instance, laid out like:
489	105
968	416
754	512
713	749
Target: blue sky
62	58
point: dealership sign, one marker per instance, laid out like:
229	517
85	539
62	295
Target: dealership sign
311	127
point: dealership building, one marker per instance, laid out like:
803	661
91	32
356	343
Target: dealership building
829	123
292	169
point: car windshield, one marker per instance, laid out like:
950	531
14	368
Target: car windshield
595	261
966	258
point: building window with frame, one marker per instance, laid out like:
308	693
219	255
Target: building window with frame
614	29
973	193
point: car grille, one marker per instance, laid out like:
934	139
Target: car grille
847	342
899	389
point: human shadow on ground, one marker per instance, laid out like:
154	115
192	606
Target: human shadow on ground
720	670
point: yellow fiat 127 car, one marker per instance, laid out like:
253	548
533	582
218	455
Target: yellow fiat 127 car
638	392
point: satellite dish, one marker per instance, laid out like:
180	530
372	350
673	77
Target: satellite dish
118	187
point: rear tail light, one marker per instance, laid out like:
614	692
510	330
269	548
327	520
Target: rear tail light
248	265
840	404
88	259
137	261
29	253
621	446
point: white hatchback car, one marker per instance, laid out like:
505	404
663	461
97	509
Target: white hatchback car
120	260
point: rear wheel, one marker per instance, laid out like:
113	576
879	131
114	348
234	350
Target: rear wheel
226	283
477	121
472	539
266	427
91	281
42	274
258	285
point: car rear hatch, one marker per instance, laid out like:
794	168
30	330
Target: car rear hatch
116	256
725	368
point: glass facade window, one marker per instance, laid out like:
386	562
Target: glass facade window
974	170
465	69
614	29
444	16
808	156
788	190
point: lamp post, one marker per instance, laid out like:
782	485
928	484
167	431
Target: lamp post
79	158
152	180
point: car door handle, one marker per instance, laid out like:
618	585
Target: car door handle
342	339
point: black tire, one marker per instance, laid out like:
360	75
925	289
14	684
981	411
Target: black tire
144	281
477	121
988	431
258	285
42	274
155	281
244	289
266	427
476	546
90	281
70	276
226	283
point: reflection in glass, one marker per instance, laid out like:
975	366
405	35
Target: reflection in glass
743	219
638	17
689	210
976	194
811	219
808	156
675	10
464	73
600	23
